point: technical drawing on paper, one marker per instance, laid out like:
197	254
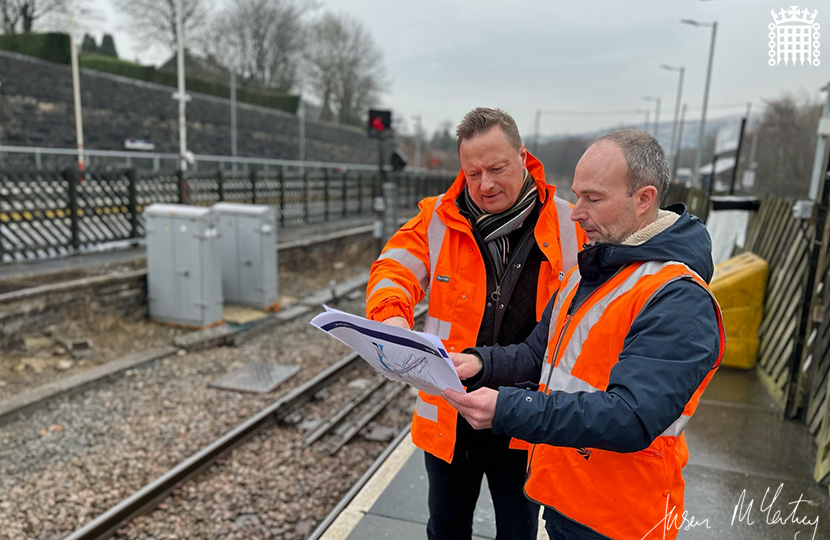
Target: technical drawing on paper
411	369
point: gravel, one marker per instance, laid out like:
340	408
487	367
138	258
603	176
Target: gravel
69	461
47	360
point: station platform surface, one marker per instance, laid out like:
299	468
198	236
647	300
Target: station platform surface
287	237
745	459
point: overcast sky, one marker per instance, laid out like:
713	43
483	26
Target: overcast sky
570	60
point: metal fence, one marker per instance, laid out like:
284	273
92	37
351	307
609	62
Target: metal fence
41	157
46	214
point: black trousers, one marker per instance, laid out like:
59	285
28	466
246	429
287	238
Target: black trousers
559	527
454	487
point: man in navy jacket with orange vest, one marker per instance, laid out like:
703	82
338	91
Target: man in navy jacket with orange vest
491	250
622	355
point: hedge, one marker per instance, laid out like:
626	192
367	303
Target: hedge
55	48
283	102
52	47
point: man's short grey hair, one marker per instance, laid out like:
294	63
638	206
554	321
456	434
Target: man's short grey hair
646	159
482	119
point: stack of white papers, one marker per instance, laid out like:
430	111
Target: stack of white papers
416	358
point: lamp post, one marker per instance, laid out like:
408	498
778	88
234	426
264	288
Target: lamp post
233	117
180	94
682	70
698	156
417	119
76	93
656	101
301	129
536	130
647	112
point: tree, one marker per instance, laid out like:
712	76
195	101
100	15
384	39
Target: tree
786	146
21	15
443	139
88	45
155	20
261	40
107	47
344	68
560	157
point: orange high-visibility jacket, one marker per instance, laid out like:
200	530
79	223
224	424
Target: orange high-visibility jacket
624	496
436	251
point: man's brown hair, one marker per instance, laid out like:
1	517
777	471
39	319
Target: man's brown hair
645	157
483	119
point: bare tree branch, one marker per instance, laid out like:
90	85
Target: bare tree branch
155	20
261	40
786	144
21	15
344	68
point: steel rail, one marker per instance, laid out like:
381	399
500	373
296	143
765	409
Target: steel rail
104	525
351	429
329	423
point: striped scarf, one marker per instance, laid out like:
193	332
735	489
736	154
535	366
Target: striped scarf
495	228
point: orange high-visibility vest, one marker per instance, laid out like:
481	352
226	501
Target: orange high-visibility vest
436	251
624	496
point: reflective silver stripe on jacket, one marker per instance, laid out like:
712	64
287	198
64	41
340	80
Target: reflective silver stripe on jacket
580	334
425	410
386	282
435	237
436	231
568	383
565	289
410	262
568	241
677	427
437	327
561	378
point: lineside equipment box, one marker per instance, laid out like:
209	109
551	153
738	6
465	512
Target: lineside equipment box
184	282
248	247
739	284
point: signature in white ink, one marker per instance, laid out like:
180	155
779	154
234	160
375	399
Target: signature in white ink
771	516
670	521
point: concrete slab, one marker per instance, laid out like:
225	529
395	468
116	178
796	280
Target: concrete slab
405	499
750	441
378	527
738	387
714	495
741	453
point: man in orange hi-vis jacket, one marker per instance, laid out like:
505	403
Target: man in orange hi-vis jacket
490	250
622	354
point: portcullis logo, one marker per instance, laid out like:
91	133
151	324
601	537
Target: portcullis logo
794	37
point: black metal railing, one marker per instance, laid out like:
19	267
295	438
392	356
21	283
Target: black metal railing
46	213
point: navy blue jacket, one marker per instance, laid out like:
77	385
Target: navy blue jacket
670	348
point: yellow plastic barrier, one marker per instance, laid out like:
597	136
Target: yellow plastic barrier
739	284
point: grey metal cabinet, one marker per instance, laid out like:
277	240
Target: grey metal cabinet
184	282
248	246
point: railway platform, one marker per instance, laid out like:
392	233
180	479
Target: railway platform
288	238
749	477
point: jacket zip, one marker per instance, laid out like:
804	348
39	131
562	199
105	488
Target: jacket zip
498	314
495	295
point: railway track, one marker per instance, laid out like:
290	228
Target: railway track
74	455
225	334
340	427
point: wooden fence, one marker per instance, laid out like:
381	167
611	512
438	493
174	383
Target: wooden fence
794	351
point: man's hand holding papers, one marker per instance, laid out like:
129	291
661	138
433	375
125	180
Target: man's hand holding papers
415	358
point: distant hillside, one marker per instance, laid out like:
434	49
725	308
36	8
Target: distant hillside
689	138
